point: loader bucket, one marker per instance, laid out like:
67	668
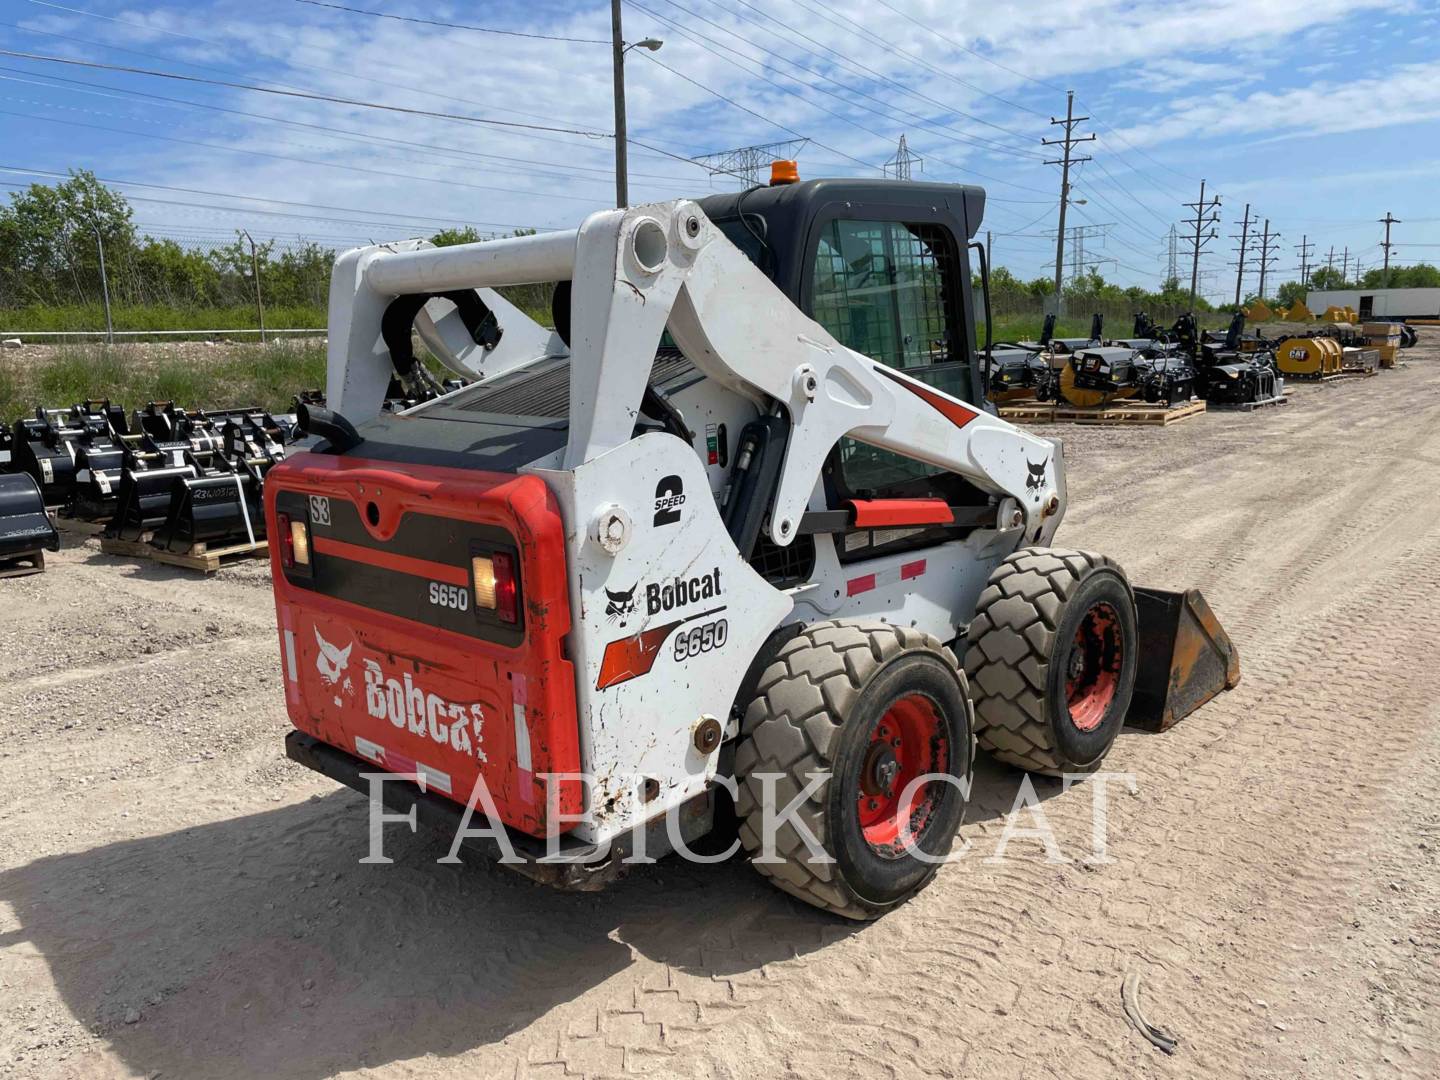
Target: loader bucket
1185	658
25	527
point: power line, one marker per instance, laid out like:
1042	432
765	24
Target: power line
412	176
308	96
720	50
348	73
302	94
872	71
325	129
891	47
960	136
453	25
18	171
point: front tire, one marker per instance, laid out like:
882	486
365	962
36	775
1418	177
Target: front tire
870	707
1051	659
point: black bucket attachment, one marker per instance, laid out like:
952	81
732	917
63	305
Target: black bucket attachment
1185	658
25	527
45	450
143	500
214	509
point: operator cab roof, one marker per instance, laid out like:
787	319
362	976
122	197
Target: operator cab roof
775	230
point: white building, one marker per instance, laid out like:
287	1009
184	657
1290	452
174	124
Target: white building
1378	303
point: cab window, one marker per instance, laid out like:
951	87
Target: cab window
888	289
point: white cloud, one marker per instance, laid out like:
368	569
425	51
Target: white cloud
1406	94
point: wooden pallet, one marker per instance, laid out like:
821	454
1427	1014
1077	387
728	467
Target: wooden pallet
10	565
199	557
1137	414
1340	376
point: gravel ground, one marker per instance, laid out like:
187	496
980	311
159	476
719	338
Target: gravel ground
177	900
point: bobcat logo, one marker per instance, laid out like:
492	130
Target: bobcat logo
621	605
1036	480
332	662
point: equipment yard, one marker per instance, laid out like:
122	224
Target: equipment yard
177	899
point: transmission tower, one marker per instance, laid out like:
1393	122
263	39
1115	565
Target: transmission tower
746	162
899	165
1171	269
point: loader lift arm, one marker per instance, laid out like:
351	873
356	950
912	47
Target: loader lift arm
640	271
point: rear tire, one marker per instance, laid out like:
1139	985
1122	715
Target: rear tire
869	706
1051	659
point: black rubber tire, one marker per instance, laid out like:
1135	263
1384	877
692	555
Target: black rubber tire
1016	654
814	710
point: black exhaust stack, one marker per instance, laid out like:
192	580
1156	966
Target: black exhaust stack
338	433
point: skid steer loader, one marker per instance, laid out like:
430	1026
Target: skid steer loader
740	529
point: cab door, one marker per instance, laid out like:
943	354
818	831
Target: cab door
895	290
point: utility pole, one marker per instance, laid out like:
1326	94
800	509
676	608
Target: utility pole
1304	248
104	282
1065	161
1388	220
255	271
1345	266
1268	243
618	49
989	249
1244	238
617	56
1330	259
1206	214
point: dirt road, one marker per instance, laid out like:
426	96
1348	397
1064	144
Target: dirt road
177	900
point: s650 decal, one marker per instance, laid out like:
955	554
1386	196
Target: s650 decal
701	639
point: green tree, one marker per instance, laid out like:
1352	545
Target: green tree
1327	277
49	239
1289	292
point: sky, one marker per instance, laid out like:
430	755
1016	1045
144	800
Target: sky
1323	115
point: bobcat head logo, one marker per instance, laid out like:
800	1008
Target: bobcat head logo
621	605
332	662
1036	480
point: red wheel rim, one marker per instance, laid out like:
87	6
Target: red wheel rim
1092	672
908	742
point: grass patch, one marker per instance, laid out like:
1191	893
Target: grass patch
268	376
80	317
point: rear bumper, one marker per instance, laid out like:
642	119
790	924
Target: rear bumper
577	866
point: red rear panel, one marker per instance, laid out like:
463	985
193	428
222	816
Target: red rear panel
386	653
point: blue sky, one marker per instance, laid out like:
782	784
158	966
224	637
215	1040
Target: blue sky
1322	114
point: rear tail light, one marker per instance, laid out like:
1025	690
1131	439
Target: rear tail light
482	570
294	541
495	586
300	542
506	590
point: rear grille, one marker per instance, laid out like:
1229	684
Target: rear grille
545	391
